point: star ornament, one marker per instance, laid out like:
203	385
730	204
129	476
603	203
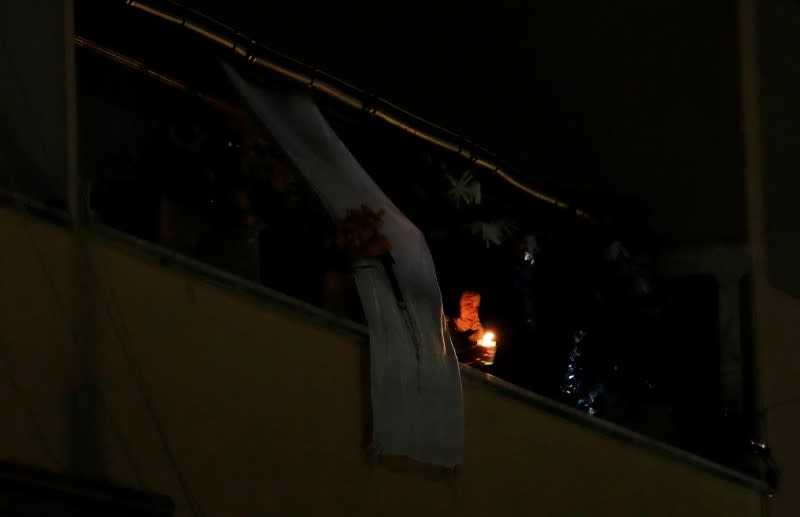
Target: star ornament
465	189
494	232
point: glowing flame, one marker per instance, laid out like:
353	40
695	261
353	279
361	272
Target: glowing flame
488	340
490	347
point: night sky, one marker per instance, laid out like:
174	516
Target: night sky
638	99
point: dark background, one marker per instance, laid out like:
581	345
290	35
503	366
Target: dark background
638	99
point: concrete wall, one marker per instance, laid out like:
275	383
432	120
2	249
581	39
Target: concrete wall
265	411
35	64
779	111
770	43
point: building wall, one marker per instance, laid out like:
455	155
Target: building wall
34	112
265	409
770	43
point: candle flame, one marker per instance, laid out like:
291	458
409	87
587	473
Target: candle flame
490	347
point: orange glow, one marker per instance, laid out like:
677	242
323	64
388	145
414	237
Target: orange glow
488	340
489	345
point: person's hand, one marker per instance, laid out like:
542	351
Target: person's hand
486	354
483	354
474	326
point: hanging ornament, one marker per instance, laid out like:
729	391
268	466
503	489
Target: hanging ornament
586	397
530	249
616	251
494	232
573	377
464	189
591	401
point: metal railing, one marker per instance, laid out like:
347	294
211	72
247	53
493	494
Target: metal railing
252	53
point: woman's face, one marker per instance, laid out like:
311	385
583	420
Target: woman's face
470	303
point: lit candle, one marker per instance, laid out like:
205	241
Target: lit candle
489	343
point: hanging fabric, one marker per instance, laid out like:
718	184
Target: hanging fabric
417	407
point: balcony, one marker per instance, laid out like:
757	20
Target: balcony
159	347
236	400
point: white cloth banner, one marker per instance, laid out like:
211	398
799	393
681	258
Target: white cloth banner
417	407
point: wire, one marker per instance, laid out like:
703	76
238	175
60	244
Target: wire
120	328
125	340
51	284
71	324
38	429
